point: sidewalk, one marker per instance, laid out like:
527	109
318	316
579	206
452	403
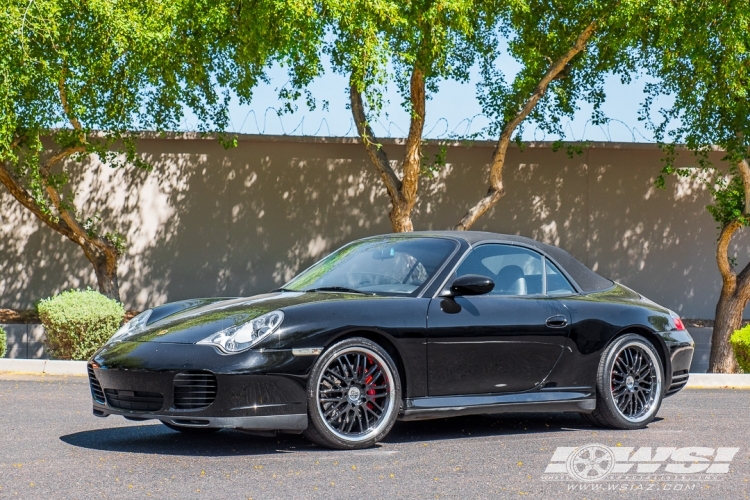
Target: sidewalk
43	367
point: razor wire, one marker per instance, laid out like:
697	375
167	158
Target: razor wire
474	127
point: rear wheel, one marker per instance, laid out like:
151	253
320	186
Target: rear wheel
196	431
353	395
630	384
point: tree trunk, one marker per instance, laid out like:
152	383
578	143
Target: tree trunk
402	192
105	267
400	216
98	250
735	294
728	319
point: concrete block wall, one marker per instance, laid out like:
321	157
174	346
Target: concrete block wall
25	341
702	337
210	222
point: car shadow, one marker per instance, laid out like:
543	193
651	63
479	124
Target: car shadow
159	440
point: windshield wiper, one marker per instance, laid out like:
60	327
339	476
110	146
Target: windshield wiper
282	290
337	289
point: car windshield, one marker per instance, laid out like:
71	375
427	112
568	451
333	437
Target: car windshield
395	265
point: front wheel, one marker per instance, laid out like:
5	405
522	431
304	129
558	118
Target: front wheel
630	384
353	395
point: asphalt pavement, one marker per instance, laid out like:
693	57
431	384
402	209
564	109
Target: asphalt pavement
52	447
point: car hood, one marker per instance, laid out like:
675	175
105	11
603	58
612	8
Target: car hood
191	321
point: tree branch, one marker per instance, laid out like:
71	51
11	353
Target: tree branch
64	100
722	255
744	169
743	283
25	199
377	155
496	189
65	224
17	141
413	154
61	155
79	234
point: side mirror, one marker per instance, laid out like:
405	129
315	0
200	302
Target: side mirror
470	284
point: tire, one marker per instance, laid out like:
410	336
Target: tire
353	395
589	419
629	385
196	431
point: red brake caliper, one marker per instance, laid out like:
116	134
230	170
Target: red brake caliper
371	391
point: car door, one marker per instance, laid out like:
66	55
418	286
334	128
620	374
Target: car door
505	341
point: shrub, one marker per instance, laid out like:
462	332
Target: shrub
3	343
77	323
740	341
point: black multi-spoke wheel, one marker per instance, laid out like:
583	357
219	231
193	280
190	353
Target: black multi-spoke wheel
353	395
633	382
630	384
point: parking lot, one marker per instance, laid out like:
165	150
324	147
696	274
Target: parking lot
52	447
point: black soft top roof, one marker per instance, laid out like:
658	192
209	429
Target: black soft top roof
586	279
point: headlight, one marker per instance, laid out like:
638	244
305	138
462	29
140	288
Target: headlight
239	338
132	327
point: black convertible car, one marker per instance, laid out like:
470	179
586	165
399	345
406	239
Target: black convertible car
410	326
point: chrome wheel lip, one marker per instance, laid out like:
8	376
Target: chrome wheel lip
390	404
655	394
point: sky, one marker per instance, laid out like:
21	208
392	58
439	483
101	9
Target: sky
453	110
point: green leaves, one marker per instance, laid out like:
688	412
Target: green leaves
77	323
740	342
539	32
87	74
729	200
700	55
379	42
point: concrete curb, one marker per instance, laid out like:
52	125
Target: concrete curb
43	366
718	381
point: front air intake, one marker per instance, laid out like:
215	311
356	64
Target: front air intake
134	400
194	390
96	389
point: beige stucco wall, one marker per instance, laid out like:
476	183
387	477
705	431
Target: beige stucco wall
213	222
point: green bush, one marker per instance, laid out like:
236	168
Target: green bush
3	343
77	323
740	341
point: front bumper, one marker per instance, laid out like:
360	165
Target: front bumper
290	423
239	391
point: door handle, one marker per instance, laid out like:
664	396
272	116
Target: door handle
558	321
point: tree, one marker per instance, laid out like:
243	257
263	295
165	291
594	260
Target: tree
78	77
417	43
565	48
699	54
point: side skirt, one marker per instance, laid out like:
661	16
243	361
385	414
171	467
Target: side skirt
582	400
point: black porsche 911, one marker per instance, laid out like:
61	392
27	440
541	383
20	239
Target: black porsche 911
408	326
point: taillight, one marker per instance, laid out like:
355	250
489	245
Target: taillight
678	324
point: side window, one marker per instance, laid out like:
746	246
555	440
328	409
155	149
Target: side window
515	270
557	284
